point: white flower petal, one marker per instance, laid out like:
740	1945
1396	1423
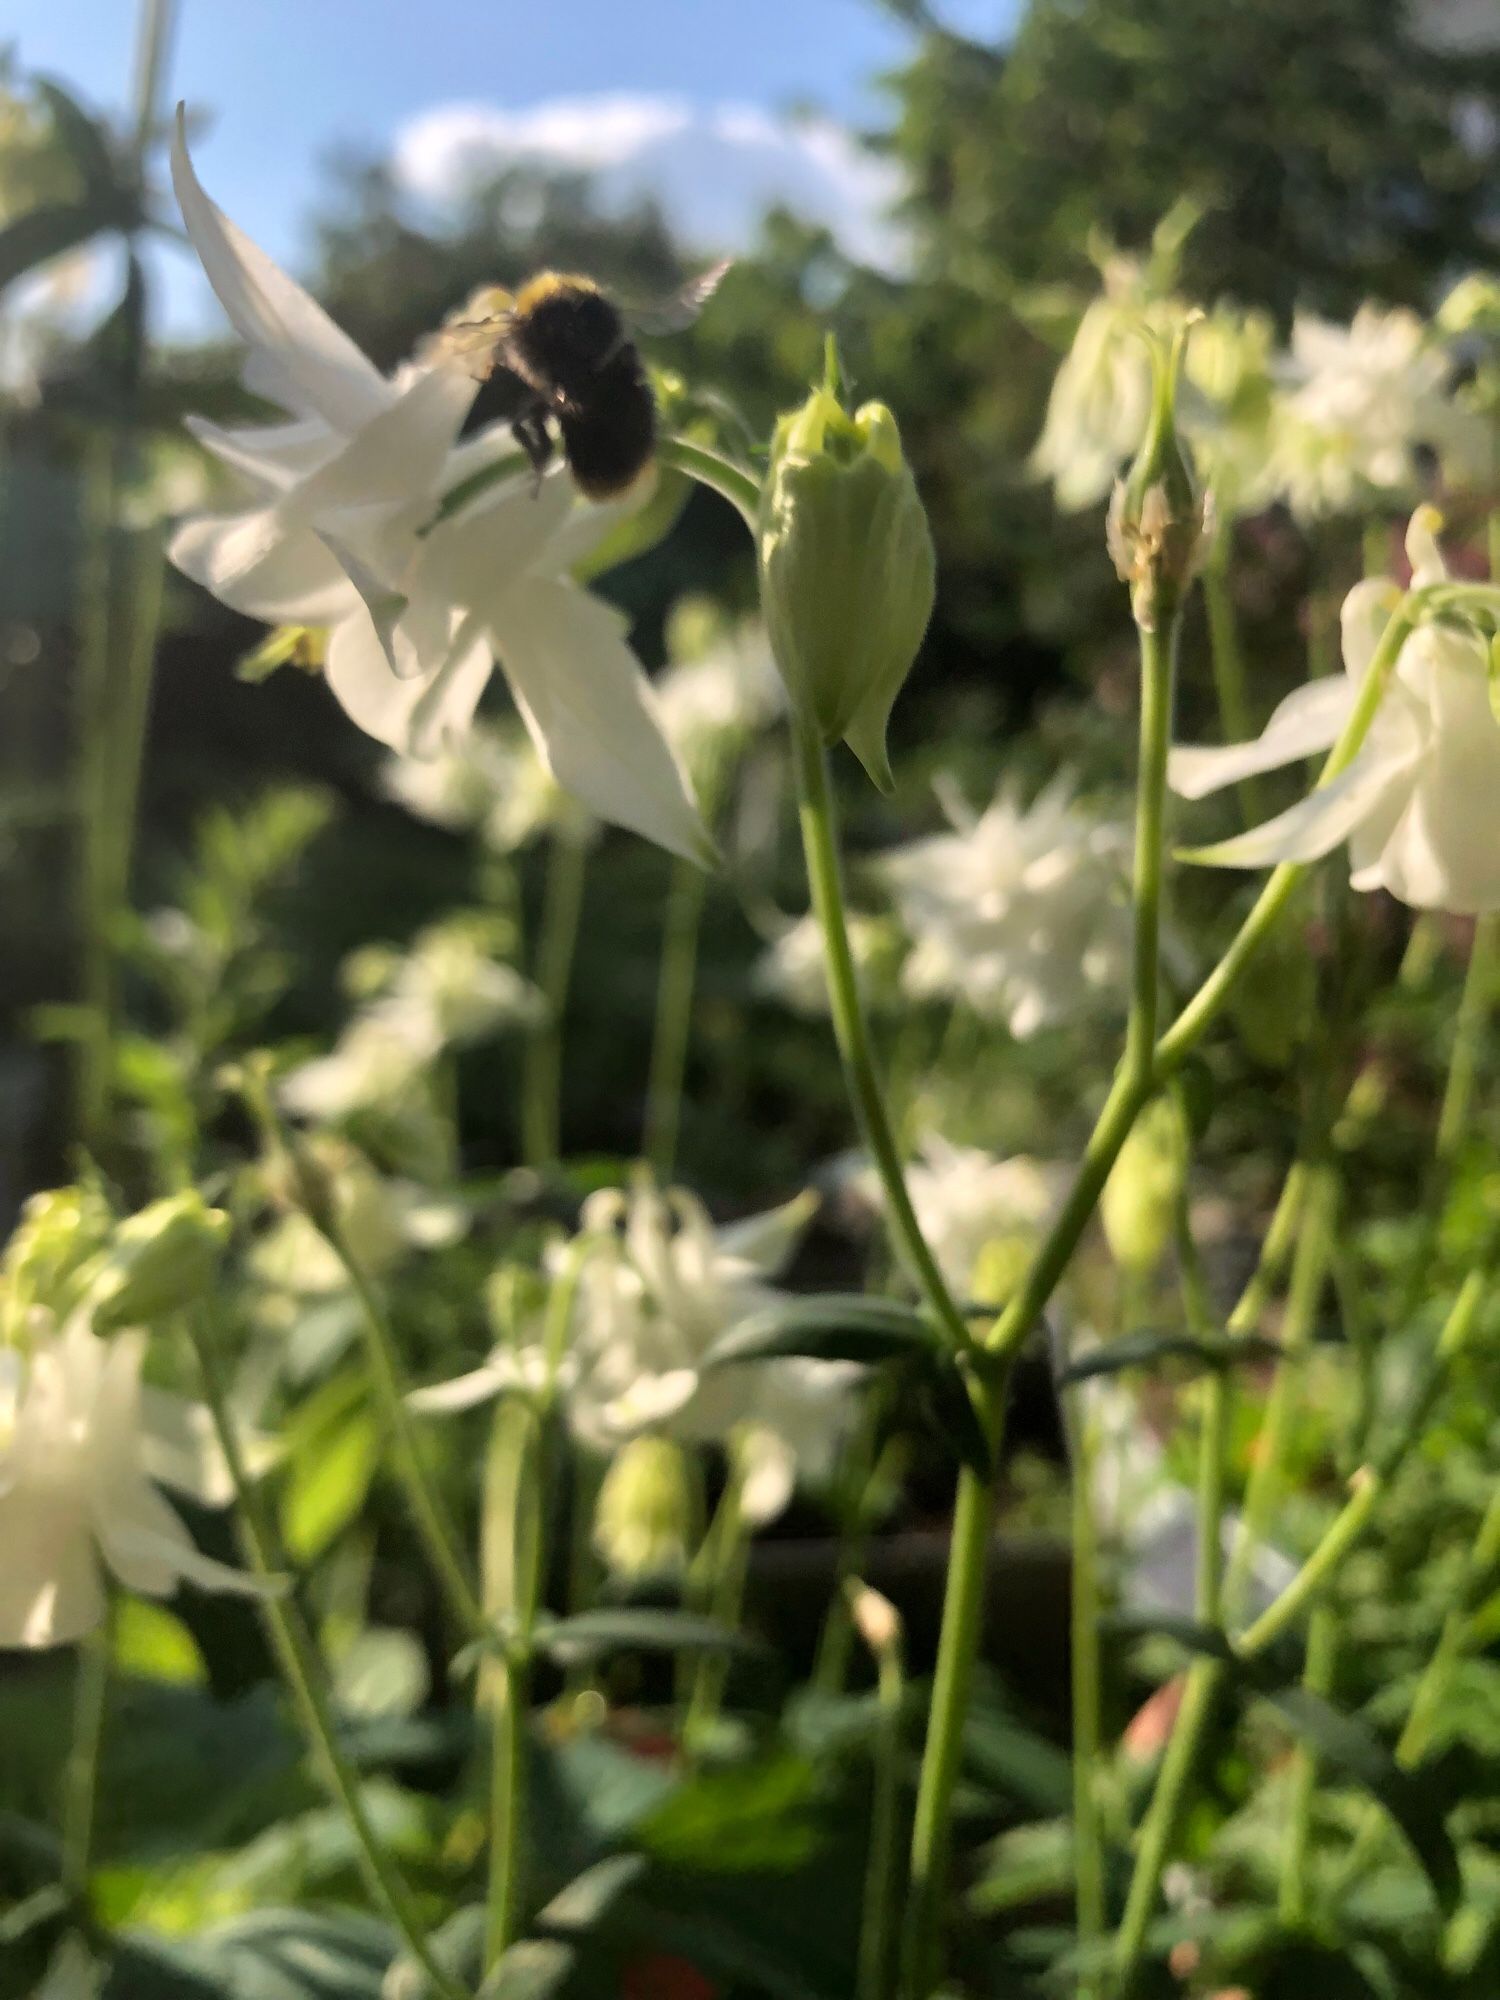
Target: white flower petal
396	456
763	1243
1315	825
254	565
1309	720
1442	853
768	1474
50	1588
301	359
273	455
588	706
180	1447
405	713
463	1392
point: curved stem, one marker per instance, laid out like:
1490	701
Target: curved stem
825	880
674	1016
710	468
541	1085
297	1656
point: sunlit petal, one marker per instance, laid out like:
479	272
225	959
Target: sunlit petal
1309	720
1315	825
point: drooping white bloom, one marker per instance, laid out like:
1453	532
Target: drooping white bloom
344	531
1355	403
657	1286
1101	394
982	1216
1021	912
446	992
81	1444
491	782
1417	805
791	968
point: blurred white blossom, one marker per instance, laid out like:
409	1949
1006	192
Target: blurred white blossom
1101	394
1020	912
713	702
791	967
1417	804
345	531
82	1443
447	991
491	782
1353	405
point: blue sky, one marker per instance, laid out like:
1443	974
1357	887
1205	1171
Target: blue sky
282	83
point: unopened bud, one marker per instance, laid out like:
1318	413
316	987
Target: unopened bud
159	1261
1160	516
847	573
58	1234
876	1620
646	1518
1139	1204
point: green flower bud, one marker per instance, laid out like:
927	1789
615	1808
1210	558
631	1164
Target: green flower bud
158	1261
846	570
646	1520
59	1234
1139	1205
1160	517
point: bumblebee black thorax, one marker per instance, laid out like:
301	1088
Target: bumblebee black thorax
562	336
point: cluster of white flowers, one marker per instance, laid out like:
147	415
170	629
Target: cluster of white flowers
1020	912
1416	804
83	1441
447	991
657	1287
347	530
713	701
1333	422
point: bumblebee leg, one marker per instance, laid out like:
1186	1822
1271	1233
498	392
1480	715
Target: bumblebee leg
529	429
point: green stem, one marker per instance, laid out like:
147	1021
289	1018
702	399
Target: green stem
862	1079
1474	1010
719	1585
541	1084
301	1668
1158	674
81	1778
952	1685
674	1016
710	468
1087	1681
1317	1678
512	1567
877	1936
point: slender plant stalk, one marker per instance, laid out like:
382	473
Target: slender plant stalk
512	1565
302	1670
94	1055
877	1937
717	1581
541	1084
861	1076
959	1642
1474	1010
81	1777
430	1518
1318	1678
674	1016
1087	1689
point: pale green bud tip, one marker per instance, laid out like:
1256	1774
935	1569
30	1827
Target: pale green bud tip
847	572
1139	1205
646	1518
159	1261
1160	515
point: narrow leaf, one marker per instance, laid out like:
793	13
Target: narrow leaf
1144	1350
646	1628
827	1326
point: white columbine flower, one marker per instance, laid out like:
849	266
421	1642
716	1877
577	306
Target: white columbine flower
340	533
81	1444
721	699
1355	403
1418	803
791	968
657	1287
1021	911
1101	394
446	992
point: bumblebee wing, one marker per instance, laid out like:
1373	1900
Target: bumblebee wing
671	315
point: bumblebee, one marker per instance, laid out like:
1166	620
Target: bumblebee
572	349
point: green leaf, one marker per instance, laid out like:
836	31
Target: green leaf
298	1955
50	231
1144	1350
84	139
751	1817
827	1326
1415	1800
153	1644
328	1485
588	1634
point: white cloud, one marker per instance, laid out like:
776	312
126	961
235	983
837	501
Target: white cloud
715	169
